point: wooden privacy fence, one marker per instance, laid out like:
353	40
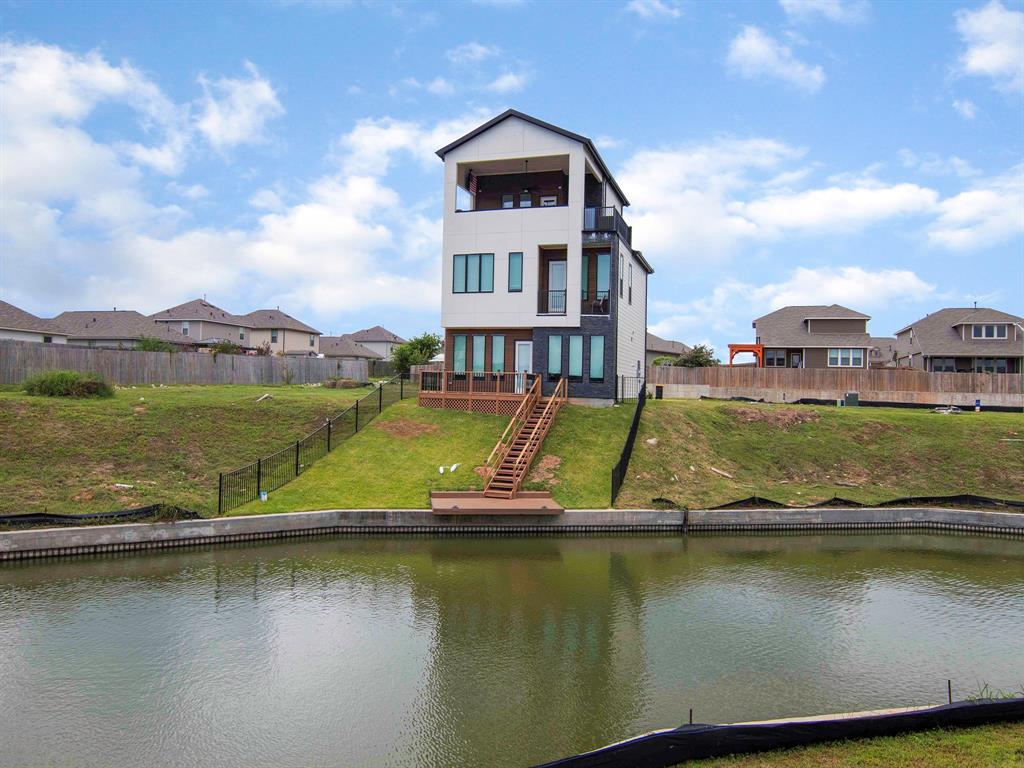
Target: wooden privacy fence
840	381
21	359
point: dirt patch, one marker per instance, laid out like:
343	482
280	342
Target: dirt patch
406	428
544	470
777	417
83	496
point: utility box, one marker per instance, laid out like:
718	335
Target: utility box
852	398
659	392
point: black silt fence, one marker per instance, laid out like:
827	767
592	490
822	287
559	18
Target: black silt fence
269	473
622	465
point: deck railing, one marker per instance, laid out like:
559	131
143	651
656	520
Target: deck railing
483	382
519	418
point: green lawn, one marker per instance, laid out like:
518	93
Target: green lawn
804	454
65	456
983	747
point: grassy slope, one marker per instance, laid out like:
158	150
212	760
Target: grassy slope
393	462
986	746
66	455
864	454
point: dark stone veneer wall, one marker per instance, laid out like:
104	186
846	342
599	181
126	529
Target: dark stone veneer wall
590	325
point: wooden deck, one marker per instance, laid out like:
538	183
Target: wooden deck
500	393
475	503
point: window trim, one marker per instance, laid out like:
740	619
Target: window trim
849	356
479	259
520	270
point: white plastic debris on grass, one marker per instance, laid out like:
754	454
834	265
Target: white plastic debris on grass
453	467
440	470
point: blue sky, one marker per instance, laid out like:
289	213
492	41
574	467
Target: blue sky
281	154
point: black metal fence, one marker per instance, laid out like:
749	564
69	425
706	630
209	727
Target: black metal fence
271	472
628	388
619	470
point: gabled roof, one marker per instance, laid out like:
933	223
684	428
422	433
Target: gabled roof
14	318
198	309
785	327
345	346
937	334
275	318
665	346
377	333
541	124
119	324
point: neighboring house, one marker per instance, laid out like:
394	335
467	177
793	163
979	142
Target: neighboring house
882	352
116	329
814	337
207	324
380	340
539	272
659	347
978	340
17	324
345	348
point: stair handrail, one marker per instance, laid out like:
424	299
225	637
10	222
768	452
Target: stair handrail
501	448
552	406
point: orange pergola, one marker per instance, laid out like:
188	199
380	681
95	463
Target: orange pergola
756	349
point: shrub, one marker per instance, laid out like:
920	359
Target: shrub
150	344
701	356
68	384
225	348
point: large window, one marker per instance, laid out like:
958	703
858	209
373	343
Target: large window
515	272
597	358
576	356
775	358
473	273
497	354
555	356
990	365
846	358
459	353
943	365
479	354
988	331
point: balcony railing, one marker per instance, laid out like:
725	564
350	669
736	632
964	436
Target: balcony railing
551	303
596	303
600	223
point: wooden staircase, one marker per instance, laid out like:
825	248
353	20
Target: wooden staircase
512	456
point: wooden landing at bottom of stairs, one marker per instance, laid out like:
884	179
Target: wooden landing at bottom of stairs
475	503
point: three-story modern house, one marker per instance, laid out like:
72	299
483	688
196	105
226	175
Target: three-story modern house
539	271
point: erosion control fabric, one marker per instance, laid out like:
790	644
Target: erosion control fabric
692	742
139	513
961	499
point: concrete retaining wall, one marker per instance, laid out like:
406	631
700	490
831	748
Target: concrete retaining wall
961	399
60	542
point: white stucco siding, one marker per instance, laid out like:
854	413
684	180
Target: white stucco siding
31	336
516	230
631	325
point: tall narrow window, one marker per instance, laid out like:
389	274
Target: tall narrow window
459	274
459	353
184	327
604	265
555	355
575	355
515	272
621	270
486	273
479	354
473	273
596	358
241	333
497	354
312	340
631	282
273	336
585	277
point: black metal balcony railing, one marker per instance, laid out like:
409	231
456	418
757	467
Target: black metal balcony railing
598	223
595	303
551	303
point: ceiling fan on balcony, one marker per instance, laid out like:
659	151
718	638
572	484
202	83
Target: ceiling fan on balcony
526	190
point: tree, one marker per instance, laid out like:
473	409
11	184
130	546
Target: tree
701	356
416	351
225	347
150	344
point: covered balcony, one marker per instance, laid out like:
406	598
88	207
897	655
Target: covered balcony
530	182
600	224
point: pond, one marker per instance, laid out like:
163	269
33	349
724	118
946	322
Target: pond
485	651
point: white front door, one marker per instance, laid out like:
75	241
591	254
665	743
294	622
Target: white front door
524	363
556	287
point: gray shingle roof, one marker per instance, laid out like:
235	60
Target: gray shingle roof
198	309
937	334
785	327
14	318
345	346
121	324
665	346
377	333
275	318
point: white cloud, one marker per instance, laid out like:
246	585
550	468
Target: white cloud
839	11
509	82
440	87
756	55
935	165
192	192
991	212
965	108
267	199
471	53
235	111
655	9
994	40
